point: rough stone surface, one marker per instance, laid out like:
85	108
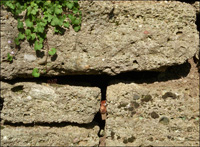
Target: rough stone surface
154	114
29	102
115	37
49	136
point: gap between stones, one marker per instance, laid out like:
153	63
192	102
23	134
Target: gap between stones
101	81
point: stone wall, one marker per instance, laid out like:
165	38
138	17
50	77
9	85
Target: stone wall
141	57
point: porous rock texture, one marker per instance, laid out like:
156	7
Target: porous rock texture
115	37
164	113
29	102
49	136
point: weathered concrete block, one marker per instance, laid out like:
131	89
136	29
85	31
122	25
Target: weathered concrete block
29	102
115	37
157	114
49	136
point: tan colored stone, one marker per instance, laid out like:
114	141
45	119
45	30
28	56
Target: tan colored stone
113	39
49	136
29	102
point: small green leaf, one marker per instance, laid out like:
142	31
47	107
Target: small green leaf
55	21
49	17
20	24
66	24
9	57
34	11
21	36
17	41
58	9
52	51
39	28
38	45
33	36
77	21
77	28
29	23
72	17
35	73
10	5
70	5
28	34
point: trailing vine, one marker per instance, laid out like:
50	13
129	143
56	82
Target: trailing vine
39	15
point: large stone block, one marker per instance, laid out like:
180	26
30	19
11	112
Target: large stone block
29	102
115	37
154	114
49	136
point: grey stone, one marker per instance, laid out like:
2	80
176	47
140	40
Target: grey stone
29	57
29	102
115	37
49	136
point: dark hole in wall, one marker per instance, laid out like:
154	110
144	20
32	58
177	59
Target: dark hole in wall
187	1
17	88
172	73
100	122
1	106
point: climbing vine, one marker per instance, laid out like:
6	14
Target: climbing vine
39	15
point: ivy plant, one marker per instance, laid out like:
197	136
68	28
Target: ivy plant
39	15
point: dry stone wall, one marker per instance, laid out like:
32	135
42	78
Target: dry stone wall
138	56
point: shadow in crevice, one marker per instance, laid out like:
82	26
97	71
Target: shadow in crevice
51	124
172	73
100	122
187	1
198	21
101	81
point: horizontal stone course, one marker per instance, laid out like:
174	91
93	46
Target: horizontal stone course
49	136
115	37
28	102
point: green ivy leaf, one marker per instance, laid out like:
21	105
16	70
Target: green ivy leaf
10	5
21	36
38	45
35	73
71	17
29	23
39	27
34	11
20	24
9	57
55	21
52	51
66	24
17	41
58	9
49	17
77	21
70	5
28	34
33	36
77	28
